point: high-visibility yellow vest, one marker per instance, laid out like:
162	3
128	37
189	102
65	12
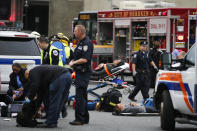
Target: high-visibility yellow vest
60	63
66	48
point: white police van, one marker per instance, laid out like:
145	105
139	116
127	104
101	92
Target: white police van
16	47
176	94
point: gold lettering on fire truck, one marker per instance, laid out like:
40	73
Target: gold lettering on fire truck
117	14
110	15
151	13
130	14
126	14
194	13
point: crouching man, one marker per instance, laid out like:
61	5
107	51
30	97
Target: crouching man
50	85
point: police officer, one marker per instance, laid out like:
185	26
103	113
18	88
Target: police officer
82	65
140	66
49	54
155	55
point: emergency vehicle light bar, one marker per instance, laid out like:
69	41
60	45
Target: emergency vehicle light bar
21	35
164	13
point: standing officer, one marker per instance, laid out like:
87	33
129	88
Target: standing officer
155	55
49	54
82	65
140	66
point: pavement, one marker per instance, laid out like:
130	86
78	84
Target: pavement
101	121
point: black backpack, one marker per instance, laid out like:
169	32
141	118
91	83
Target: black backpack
109	99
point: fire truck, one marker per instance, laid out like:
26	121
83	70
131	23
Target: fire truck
102	53
174	28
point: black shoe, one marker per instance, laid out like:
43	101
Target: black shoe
76	122
44	125
64	114
87	122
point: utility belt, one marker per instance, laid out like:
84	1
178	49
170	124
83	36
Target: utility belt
142	71
81	69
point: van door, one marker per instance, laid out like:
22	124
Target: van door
188	78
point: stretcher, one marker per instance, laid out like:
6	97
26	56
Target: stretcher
136	114
109	80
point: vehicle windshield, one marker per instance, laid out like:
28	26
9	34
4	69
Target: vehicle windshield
18	46
190	58
91	28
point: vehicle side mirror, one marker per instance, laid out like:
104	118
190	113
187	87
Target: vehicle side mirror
166	60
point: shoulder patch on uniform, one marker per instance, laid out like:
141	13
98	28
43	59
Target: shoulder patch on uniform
55	52
85	48
135	55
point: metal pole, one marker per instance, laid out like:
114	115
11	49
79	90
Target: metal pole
26	14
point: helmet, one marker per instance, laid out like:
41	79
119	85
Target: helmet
62	36
36	34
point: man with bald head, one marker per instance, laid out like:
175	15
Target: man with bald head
81	64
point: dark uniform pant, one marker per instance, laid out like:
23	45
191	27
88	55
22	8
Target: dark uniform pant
81	107
142	84
58	94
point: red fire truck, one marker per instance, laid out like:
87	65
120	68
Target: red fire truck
102	53
125	29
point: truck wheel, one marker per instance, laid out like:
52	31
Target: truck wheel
167	116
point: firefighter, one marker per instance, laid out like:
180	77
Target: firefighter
82	65
49	54
140	66
68	51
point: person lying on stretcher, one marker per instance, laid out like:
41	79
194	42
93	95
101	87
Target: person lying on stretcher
104	70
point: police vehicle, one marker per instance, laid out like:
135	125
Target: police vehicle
16	47
175	92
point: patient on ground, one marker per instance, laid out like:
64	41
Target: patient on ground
134	108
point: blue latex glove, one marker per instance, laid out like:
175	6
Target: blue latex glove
27	100
18	93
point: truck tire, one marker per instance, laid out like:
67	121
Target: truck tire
167	116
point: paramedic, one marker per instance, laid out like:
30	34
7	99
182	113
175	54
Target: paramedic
16	84
49	84
67	50
140	66
49	54
82	65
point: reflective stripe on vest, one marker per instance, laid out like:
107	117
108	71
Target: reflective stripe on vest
112	104
67	51
42	52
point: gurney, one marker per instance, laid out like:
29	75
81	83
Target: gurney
136	114
107	80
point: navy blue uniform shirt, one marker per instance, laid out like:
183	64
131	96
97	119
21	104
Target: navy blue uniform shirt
84	50
141	60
